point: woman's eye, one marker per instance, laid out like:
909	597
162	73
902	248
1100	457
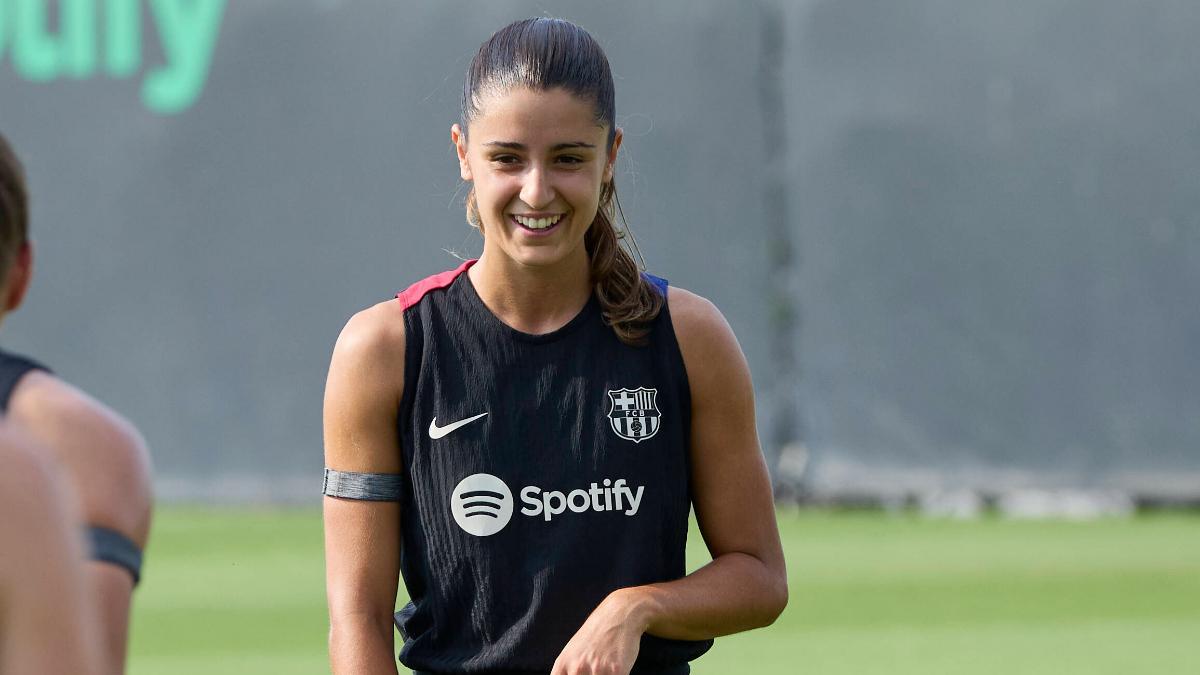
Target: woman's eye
570	159
506	159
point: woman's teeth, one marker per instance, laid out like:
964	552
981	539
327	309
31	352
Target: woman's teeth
538	223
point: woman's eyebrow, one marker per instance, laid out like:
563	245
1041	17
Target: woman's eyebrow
509	145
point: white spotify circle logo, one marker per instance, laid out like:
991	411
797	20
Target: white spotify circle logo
481	504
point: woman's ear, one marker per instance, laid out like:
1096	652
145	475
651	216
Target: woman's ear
18	277
459	138
611	164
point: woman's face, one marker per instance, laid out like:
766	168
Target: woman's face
538	160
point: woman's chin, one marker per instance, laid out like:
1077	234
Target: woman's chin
545	255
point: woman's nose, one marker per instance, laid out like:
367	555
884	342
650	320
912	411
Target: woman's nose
537	192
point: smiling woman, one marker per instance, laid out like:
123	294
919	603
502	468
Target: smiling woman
534	193
554	369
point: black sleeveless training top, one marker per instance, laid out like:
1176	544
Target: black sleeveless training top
541	472
12	369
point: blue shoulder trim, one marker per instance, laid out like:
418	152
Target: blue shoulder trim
658	282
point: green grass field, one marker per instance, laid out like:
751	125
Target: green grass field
241	591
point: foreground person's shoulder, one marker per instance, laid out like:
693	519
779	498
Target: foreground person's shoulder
102	452
28	474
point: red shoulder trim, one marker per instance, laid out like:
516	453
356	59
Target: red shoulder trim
413	294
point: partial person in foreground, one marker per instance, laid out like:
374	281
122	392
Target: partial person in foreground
44	605
522	437
102	456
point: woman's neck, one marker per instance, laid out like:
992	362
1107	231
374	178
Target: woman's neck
533	300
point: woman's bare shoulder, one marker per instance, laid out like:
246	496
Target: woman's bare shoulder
364	390
376	332
102	453
700	328
26	471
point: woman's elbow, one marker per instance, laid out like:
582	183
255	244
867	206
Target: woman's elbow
779	599
775	598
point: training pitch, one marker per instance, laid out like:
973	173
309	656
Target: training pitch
242	591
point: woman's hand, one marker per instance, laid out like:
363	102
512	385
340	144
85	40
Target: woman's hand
607	643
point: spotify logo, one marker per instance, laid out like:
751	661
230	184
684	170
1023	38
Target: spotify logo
481	504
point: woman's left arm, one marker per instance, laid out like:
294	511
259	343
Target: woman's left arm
745	585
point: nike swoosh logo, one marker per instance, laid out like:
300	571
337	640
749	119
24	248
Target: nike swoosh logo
436	432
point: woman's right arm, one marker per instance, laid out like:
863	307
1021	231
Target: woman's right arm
362	538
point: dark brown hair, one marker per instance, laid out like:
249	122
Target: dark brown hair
544	54
14	207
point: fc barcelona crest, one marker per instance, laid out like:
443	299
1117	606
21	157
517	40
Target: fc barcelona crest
634	414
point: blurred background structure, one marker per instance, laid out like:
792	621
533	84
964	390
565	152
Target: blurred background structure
959	242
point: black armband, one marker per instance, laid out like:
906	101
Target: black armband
374	487
110	546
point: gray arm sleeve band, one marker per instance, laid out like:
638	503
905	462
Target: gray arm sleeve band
115	548
374	487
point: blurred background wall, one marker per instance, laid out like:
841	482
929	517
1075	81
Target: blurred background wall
959	242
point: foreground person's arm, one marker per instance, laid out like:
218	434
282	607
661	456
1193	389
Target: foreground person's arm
44	605
106	463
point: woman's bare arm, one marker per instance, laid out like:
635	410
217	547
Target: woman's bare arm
45	610
362	538
105	461
745	585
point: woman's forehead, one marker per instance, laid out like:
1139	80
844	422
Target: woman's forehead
536	117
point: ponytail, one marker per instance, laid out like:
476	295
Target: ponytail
628	301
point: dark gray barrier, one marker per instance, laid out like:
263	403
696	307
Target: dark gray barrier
992	229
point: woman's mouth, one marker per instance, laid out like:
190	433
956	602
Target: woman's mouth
538	224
